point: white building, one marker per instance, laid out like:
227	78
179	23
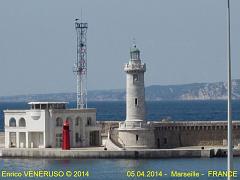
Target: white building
41	126
135	132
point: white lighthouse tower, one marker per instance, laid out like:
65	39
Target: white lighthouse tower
135	95
135	131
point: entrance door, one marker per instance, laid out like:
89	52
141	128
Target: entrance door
59	140
94	138
22	140
12	138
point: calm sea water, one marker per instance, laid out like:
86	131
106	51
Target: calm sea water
101	169
175	110
118	168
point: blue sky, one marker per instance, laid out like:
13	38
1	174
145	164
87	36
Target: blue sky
180	41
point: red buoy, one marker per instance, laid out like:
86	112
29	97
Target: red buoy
65	136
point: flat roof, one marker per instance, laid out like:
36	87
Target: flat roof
48	103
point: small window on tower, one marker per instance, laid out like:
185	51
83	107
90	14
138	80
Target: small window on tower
136	102
135	77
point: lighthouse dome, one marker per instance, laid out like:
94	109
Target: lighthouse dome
134	53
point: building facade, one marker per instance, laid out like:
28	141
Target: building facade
41	126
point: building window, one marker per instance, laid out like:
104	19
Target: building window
165	140
37	106
136	101
58	140
12	122
136	137
22	122
89	121
77	121
77	139
59	122
43	106
135	77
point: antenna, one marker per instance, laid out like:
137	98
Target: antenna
134	42
80	67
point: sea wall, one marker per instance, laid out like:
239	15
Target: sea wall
187	133
58	153
180	134
192	133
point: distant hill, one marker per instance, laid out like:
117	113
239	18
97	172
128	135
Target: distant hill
194	91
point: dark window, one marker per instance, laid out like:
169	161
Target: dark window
22	122
76	138
89	121
136	137
135	77
59	122
158	142
136	101
37	106
165	140
12	122
77	122
43	106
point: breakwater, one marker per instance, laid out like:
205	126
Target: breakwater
170	134
78	153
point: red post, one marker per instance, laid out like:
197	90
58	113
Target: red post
65	136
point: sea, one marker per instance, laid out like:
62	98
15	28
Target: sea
196	168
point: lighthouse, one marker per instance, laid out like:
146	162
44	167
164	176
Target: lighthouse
135	132
135	92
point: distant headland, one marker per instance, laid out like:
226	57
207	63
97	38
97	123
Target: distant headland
193	91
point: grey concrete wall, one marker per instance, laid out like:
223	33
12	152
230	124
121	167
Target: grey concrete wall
57	153
106	125
170	135
188	133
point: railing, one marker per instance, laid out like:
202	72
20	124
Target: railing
129	67
113	135
134	125
6	126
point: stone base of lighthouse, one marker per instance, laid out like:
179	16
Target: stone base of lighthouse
136	135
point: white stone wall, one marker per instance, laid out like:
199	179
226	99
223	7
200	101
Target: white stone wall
82	128
34	121
142	138
135	89
41	130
